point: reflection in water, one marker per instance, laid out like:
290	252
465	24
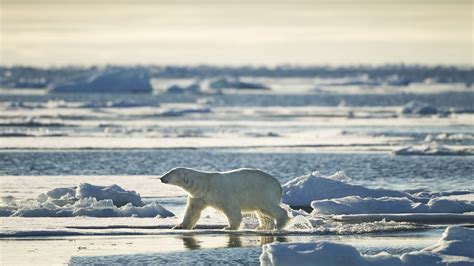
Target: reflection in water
190	242
270	239
234	241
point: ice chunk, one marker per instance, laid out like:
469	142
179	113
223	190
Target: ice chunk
93	208
109	80
301	191
149	210
456	241
454	248
358	205
118	195
85	200
193	88
227	83
419	108
322	252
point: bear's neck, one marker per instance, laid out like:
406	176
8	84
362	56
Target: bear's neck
199	187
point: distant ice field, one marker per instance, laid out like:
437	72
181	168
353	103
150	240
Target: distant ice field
458	98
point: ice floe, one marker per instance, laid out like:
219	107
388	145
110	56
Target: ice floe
453	137
419	218
454	248
192	88
227	83
433	148
368	205
84	200
419	108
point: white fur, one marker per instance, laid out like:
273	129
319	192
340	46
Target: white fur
233	192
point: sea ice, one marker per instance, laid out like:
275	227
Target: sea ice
192	88
85	200
301	191
358	205
432	148
456	247
226	83
419	108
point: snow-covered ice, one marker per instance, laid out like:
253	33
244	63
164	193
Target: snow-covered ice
301	191
84	200
369	205
456	247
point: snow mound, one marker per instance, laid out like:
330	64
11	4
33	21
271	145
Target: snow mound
84	200
454	248
301	191
227	83
109	80
358	205
419	108
432	148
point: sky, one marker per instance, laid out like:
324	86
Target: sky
87	32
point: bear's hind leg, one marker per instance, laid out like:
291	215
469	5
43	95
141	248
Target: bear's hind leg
192	214
266	223
280	215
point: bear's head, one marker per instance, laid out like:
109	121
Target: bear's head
185	178
177	176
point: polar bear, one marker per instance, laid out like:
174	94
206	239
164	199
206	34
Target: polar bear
232	192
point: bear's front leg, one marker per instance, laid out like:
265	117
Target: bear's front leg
234	216
194	208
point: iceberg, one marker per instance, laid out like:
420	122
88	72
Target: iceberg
454	248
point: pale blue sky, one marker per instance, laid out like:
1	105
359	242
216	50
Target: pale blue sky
66	32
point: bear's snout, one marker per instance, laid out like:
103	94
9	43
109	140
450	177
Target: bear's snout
164	180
